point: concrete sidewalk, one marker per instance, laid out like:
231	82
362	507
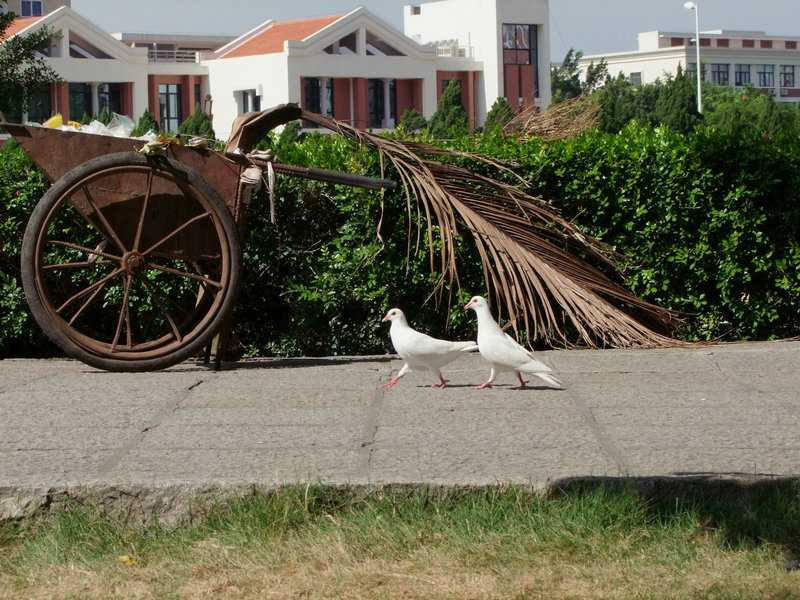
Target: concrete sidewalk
148	442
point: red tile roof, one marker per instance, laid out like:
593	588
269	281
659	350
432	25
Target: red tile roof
271	40
18	25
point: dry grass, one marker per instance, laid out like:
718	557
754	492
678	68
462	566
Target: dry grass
477	545
561	121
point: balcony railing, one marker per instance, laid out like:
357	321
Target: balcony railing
179	56
453	51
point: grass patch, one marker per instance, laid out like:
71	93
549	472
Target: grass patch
585	540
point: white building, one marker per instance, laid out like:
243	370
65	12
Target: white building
354	66
731	58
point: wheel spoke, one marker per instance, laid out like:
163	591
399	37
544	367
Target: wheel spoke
88	290
86	249
103	221
75	265
145	202
124	314
162	308
86	303
176	232
200	278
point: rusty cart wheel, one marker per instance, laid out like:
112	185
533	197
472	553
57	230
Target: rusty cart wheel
131	262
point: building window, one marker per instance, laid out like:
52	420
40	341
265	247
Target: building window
766	43
748	44
742	75
39	107
636	79
251	102
80	101
791	44
520	55
108	97
169	100
377	102
677	41
31	8
416	10
519	44
765	75
787	76
319	95
723	43
719	73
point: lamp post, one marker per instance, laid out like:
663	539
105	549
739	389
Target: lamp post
693	6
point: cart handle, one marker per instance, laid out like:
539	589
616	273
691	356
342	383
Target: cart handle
361	181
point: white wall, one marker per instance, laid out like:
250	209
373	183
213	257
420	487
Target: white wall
478	24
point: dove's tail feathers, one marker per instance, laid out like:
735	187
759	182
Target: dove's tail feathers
468	347
552	380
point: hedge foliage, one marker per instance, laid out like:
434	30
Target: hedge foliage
709	221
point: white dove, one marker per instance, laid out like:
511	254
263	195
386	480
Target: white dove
421	351
503	352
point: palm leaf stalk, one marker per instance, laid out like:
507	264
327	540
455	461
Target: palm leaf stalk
530	255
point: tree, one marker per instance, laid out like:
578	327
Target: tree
23	70
147	122
450	116
198	124
500	114
411	120
676	106
565	81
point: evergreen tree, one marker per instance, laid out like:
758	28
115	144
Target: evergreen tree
23	70
147	122
676	106
500	114
198	124
411	120
565	81
450	116
104	117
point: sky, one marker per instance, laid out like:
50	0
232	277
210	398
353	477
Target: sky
592	26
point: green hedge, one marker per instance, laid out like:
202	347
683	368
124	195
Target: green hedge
709	222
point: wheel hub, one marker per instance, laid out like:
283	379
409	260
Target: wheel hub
134	262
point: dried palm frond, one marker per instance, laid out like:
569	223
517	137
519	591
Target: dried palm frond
562	120
529	253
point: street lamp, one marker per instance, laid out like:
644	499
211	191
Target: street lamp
693	6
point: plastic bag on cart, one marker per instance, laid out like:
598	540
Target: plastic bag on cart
119	126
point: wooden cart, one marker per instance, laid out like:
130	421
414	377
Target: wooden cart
132	261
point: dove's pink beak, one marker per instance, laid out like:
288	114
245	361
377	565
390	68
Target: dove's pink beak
468	306
386	318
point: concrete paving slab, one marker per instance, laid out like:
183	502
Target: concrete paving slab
149	441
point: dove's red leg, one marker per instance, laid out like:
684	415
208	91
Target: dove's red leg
488	383
521	382
392	382
443	380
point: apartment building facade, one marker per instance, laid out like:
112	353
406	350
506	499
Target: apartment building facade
355	66
730	58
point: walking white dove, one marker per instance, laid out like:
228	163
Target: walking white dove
421	351
502	352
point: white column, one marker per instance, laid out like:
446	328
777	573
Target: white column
361	41
324	100
95	98
387	122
